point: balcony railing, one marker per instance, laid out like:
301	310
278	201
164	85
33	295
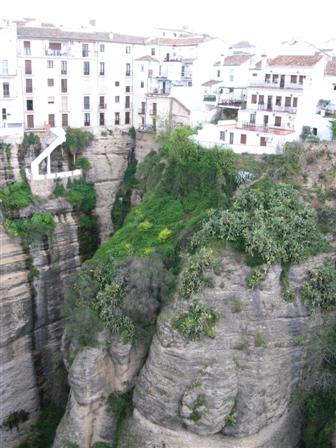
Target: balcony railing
232	103
271	108
54	52
263	128
142	111
153	112
210	98
276	85
102	106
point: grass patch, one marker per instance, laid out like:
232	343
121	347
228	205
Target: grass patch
197	322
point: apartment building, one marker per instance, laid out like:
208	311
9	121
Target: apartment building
282	96
11	114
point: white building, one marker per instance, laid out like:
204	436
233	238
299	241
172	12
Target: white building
281	98
11	113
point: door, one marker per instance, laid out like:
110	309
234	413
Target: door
231	138
243	139
30	121
265	121
282	81
262	141
269	102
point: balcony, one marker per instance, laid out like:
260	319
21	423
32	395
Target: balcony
54	52
233	104
142	111
210	98
271	108
276	85
266	128
102	106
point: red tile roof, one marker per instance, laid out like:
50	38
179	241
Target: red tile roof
331	67
237	59
296	61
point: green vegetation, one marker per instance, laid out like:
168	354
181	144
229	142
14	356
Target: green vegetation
298	340
333	129
242	345
260	341
320	419
319	290
42	433
32	230
120	406
231	419
17	195
29	140
122	202
192	277
257	276
258	222
199	403
82	196
237	305
14	419
76	141
197	322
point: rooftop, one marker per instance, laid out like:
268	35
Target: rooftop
296	61
183	41
210	83
237	59
147	58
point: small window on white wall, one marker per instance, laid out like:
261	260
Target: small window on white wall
231	75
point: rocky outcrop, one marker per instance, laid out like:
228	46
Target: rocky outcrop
108	157
32	288
241	382
146	142
95	373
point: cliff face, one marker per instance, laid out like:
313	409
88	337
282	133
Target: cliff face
233	390
31	323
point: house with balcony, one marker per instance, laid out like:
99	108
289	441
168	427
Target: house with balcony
281	98
11	114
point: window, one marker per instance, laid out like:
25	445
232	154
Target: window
243	139
55	49
116	118
128	69
26	47
261	99
218	73
301	79
231	75
51	120
28	67
50	82
4	113
117	83
254	99
288	101
222	135
127	102
128	49
51	100
101	102
295	102
30	121
253	118
86	119
153	51
278	100
64	67
143	107
293	79
277	121
117	99
101	119
29	86
65	121
86	102
154	109
150	73
275	79
102	68
127	118
102	48
86	68
5	89
142	67
50	64
142	84
29	105
231	138
127	89
85	50
64	100
4	67
267	78
262	141
64	85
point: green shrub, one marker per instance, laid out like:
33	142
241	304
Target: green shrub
237	305
81	195
132	133
32	230
14	419
260	341
319	290
17	195
192	277
298	340
197	322
100	445
195	415
83	163
76	141
257	276
231	419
